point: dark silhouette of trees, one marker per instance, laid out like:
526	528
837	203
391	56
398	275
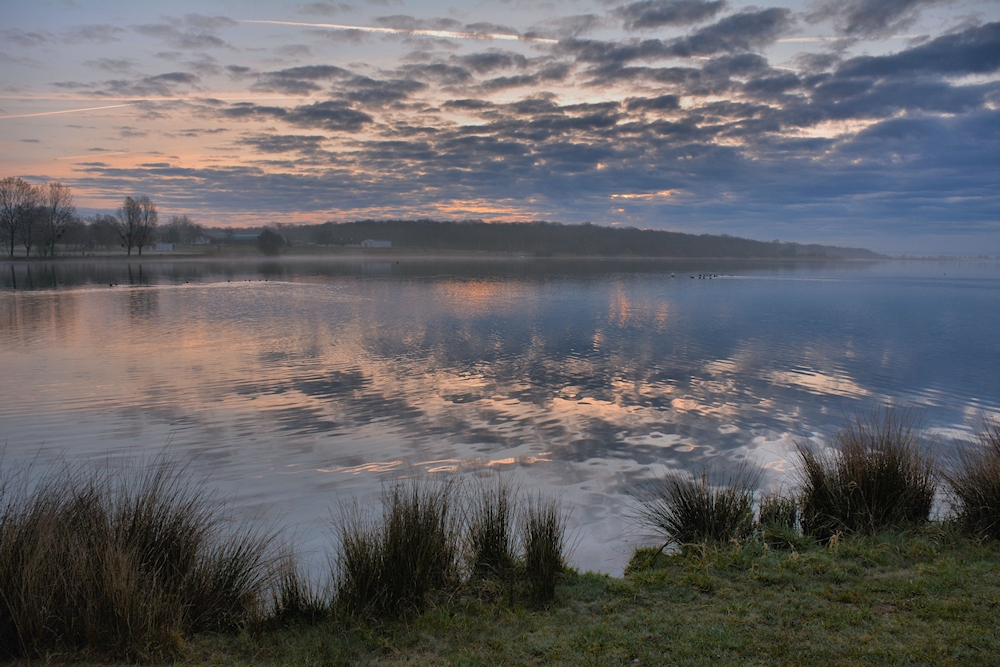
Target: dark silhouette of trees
136	222
18	212
102	231
57	211
269	242
180	229
546	239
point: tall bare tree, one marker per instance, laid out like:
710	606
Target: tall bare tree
18	202
127	223
57	212
147	222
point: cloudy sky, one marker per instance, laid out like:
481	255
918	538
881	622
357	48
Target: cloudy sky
861	122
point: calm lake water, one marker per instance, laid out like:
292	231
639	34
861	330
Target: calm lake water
300	384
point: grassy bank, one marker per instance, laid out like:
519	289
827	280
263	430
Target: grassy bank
923	596
846	569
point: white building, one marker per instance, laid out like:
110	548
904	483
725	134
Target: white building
372	243
163	247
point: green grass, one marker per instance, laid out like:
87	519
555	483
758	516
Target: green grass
924	596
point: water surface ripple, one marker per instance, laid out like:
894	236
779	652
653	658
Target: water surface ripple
299	384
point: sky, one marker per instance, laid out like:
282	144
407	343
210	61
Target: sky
871	123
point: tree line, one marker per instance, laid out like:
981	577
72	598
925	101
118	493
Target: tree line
42	218
545	239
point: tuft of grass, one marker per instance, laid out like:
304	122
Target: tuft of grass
125	564
778	510
544	539
389	565
491	531
876	477
975	484
294	599
778	523
686	511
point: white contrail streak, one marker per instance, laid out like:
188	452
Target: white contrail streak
405	31
53	113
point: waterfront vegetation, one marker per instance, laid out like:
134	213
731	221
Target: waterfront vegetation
96	565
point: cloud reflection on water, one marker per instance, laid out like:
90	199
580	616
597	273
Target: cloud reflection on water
299	391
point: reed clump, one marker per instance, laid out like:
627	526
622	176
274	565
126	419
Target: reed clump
975	484
689	511
389	565
125	564
544	539
491	533
875	477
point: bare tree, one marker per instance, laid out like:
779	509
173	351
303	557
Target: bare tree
147	222
127	223
31	223
18	200
58	212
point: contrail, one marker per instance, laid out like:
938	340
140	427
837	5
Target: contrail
52	113
405	31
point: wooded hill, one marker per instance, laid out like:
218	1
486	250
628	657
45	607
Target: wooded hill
546	239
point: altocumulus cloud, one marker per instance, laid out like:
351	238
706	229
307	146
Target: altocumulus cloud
692	108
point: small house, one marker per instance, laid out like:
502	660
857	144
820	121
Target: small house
162	247
373	243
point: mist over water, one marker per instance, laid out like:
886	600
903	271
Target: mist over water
298	385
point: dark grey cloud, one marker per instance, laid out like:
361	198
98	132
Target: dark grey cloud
334	116
871	17
491	28
492	60
298	80
238	71
649	14
378	92
92	34
745	31
660	103
284	143
972	51
553	73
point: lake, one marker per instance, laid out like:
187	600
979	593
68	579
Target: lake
300	384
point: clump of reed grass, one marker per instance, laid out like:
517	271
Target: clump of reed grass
294	599
876	476
686	511
975	484
388	565
544	540
491	532
124	563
